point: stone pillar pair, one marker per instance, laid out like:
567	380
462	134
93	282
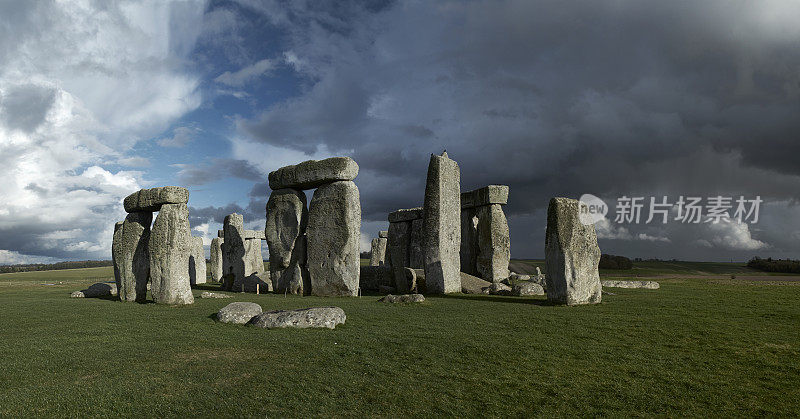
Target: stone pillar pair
159	254
315	251
242	264
485	240
404	246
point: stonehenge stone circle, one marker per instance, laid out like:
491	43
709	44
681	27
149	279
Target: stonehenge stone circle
442	225
131	256
333	235
377	256
170	247
314	173
485	238
152	199
197	262
287	218
323	317
571	256
216	259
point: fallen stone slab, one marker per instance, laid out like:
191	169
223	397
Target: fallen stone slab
405	298
473	285
238	312
649	285
526	289
318	317
406	214
208	294
488	195
499	288
313	173
152	199
100	289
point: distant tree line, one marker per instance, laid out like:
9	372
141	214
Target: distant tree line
614	262
775	265
55	266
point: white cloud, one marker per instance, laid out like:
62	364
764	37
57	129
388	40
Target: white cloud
10	257
180	137
733	236
80	84
246	74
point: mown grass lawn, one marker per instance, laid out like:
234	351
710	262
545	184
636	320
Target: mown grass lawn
694	347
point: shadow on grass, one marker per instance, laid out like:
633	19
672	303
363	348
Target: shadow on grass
500	299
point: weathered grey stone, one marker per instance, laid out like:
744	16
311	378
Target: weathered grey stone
383	234
256	277
238	312
131	256
254	235
170	247
525	289
494	243
377	255
221	233
334	230
117	238
519	277
287	218
405	298
405	214
233	252
313	173
216	259
411	279
473	285
468	251
152	199
372	277
650	285
322	317
100	289
571	256
197	262
208	294
398	248
499	288
442	225
416	255
488	195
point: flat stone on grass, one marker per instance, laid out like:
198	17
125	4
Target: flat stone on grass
238	312
316	317
405	298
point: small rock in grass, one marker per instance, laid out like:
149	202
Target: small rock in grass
498	288
327	317
100	289
405	298
77	294
238	312
527	288
207	294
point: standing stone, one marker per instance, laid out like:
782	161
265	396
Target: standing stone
197	262
233	251
469	241
378	254
287	218
494	243
571	256
416	256
170	247
131	257
117	238
398	248
256	276
334	231
442	225
216	259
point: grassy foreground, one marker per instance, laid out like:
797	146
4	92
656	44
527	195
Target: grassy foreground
694	347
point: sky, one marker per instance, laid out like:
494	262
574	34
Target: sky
619	99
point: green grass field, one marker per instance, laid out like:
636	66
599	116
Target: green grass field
697	346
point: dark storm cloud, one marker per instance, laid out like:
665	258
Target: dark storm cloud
217	169
552	98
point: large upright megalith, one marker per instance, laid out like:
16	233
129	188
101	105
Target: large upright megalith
233	250
485	239
442	225
571	255
215	260
170	246
287	217
333	233
377	256
131	256
197	262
